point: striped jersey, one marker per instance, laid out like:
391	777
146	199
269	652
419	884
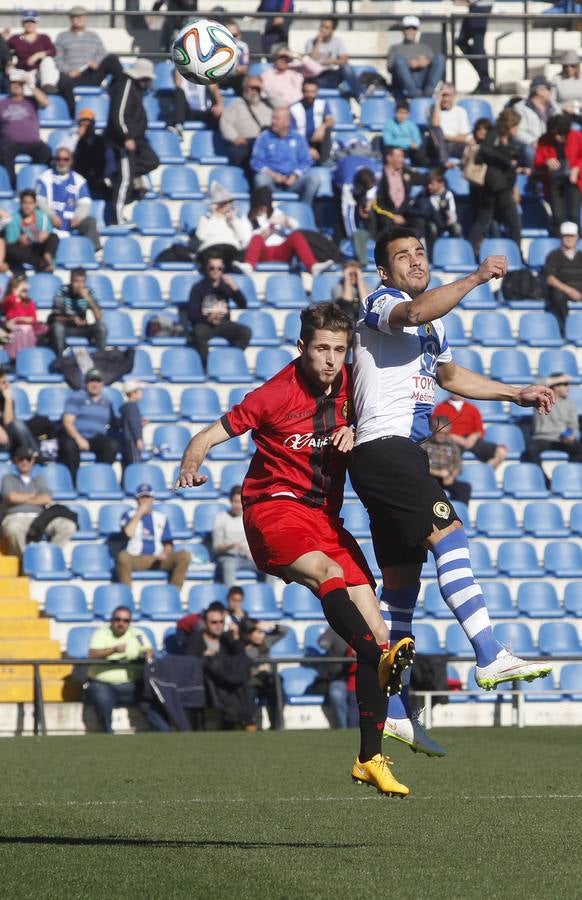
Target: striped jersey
394	370
292	424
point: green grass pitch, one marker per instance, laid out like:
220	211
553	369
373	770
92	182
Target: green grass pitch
275	815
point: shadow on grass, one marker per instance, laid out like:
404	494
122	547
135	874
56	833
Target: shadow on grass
63	841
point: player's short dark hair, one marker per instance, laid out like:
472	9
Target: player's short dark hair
387	237
215	606
327	316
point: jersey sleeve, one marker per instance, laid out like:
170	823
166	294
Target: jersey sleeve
378	307
255	410
445	355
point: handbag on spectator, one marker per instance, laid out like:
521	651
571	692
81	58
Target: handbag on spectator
473	170
38	525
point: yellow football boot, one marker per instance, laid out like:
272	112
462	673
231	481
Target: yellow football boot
393	663
376	772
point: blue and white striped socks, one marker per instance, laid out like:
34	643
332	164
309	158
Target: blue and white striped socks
397	608
463	595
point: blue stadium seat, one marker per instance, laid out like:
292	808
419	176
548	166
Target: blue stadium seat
559	639
284	291
300	603
161	602
237	395
356	520
122	254
498	600
575	522
98	482
200	404
51	402
427	640
469	359
92	562
6	191
232	474
164	77
456	642
288	645
142	292
58	480
563	559
120	331
481	560
497	520
21	402
539	329
260	602
504	247
455	330
301	212
545	520
162	340
574	329
76	251
535	221
109	518
143	369
108	597
78	640
462	511
481	297
509	435
247	286
180	287
170	441
28	175
156	405
232	178
492	329
571	681
99	103
264	333
539	249
297	684
511	367
175	515
339	108
56	114
33	364
525	481
573	599
434	605
208	148
457	183
85	528
311	645
518	560
101	285
481	477
453	255
538	600
207	491
271	360
66	603
228	365
201	596
516	635
552	361
477	108
567	481
230	450
420	108
152	217
322	285
43	287
153	112
182	365
145	473
204	515
539	691
375	112
166	145
180	183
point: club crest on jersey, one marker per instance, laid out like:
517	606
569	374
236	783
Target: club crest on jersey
442	510
300	441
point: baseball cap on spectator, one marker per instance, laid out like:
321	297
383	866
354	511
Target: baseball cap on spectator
29	15
133	385
570	58
568	228
539	81
219	194
410	22
93	375
86	113
142	69
557	378
78	11
18	75
144	490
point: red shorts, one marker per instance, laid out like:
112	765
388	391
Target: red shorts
280	531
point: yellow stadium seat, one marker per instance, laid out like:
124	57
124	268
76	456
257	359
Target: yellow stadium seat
18	628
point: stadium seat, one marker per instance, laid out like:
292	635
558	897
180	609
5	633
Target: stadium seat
509	435
21	403
498	600
545	520
539	690
123	253
204	515
559	639
45	562
232	475
120	331
539	249
516	635
481	477
99	103
477	108
164	77
109	518
567	481
481	297
145	473
201	596
538	600
58	480
571	681
43	287
497	520
297	684
142	367
463	513
420	108
284	291
270	360
101	285
180	183
78	640
563	559
573	599
457	183
492	329
455	330
247	286
552	361
453	255
161	602
375	112
260	602
166	145
208	148
6	192
288	645
228	365
339	108
481	560
311	645
232	178
27	176
230	450
300	603
51	402
108	597
182	365
502	247
180	287
74	252
98	482
175	515
511	367
469	359
142	292
207	491
456	642
262	325
356	520
301	212
539	329
434	605
66	603
156	405
152	217
518	560
85	529
153	112
33	365
91	562
427	640
200	404
574	329
170	441
524	481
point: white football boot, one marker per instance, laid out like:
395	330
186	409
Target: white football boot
507	667
411	732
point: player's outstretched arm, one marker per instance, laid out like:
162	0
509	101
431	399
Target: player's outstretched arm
474	386
436	303
196	452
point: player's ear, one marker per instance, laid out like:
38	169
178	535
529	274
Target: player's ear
300	346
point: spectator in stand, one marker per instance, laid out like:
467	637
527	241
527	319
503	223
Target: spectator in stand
415	69
35	53
81	58
558	161
568	85
339	680
358	200
402	132
236	79
559	429
236	615
229	541
126	131
351	290
150	546
132	424
15	433
327	49
444	458
563	275
393	204
242	122
92	158
275	237
221	232
276	28
281	159
282	81
5	59
86	425
258	640
436	206
19	312
450	130
467	430
312	118
19	125
194	103
69	314
24	497
30	239
471	41
208	311
534	114
64	196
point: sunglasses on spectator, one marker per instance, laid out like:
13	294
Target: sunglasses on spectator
217	268
120	619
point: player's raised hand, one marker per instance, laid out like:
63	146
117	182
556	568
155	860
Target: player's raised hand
343	439
538	396
492	267
189	476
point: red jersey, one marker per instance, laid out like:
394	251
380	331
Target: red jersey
13	307
292	425
464	422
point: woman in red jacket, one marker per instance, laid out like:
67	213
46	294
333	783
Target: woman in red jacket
558	160
19	312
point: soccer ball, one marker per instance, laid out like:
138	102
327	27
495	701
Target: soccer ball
205	51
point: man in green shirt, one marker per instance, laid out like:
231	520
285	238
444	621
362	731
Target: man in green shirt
111	686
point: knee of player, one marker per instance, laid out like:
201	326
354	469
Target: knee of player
330	569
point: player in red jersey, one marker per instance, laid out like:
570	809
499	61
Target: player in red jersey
292	496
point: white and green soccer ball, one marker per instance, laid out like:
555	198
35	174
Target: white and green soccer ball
205	52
